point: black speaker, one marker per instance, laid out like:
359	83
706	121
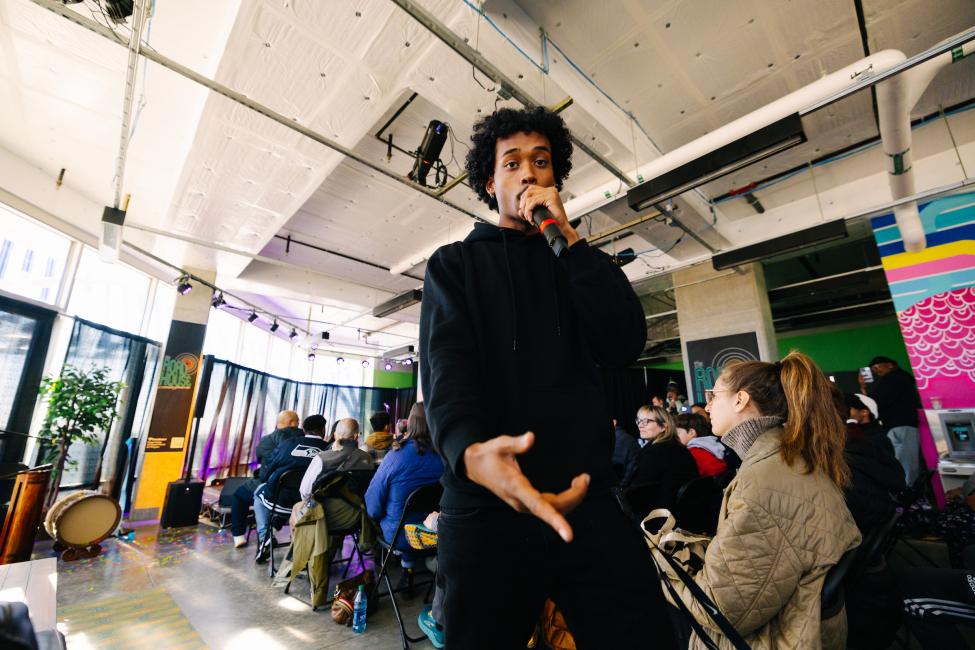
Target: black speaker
204	388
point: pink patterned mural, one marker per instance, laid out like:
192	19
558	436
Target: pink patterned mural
939	333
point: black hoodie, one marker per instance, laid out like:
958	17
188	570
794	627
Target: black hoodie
510	337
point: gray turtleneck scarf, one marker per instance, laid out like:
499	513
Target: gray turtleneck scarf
743	435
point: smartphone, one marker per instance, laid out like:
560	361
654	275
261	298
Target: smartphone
866	374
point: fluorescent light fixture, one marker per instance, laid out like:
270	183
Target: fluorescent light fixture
745	151
824	232
398	303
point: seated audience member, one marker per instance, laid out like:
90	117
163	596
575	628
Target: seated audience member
656	400
380	440
243	497
343	455
698	408
290	454
287	429
875	473
694	432
673	400
409	465
664	460
625	452
783	522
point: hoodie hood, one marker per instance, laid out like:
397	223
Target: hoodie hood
710	444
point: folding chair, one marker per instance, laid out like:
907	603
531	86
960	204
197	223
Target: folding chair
289	479
638	500
422	500
698	505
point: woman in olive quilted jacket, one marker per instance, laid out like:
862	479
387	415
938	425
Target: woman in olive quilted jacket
783	520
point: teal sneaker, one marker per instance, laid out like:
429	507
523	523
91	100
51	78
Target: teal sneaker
429	627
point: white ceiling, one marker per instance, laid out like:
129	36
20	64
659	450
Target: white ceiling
204	168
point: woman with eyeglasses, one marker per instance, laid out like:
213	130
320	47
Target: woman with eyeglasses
783	522
662	459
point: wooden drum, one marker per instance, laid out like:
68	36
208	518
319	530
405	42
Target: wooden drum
80	521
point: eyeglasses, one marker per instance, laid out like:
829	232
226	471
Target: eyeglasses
645	421
709	393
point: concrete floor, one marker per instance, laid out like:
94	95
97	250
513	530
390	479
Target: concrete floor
226	597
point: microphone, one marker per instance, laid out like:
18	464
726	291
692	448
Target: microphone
542	218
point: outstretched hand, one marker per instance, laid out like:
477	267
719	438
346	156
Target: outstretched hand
493	464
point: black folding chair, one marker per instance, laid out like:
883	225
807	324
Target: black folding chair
638	500
289	479
698	505
422	500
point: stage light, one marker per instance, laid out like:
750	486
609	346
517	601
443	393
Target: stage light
119	10
325	336
311	356
252	317
408	361
365	363
388	365
294	334
429	151
340	360
183	285
218	300
274	326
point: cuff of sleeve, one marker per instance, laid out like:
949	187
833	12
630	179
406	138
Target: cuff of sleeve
463	434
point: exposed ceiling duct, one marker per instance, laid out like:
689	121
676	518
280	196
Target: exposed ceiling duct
895	99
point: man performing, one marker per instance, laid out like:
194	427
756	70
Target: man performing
510	337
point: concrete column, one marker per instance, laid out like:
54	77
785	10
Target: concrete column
167	442
713	305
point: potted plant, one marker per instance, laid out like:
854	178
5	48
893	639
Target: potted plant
80	404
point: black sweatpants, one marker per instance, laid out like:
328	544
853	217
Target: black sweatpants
498	567
937	601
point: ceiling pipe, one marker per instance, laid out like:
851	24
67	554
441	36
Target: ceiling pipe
896	98
876	69
131	73
475	58
233	95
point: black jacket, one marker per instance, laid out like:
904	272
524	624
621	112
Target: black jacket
668	463
625	455
897	400
269	443
292	453
875	474
510	337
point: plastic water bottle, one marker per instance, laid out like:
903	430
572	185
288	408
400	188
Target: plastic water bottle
359	611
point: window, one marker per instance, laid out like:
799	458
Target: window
32	257
113	295
222	336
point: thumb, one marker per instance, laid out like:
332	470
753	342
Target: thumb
523	443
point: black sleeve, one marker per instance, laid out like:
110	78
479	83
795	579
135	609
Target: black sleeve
266	446
630	454
610	316
452	389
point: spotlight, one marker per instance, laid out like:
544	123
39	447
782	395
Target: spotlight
365	363
183	285
119	10
274	326
340	360
325	336
294	334
388	365
218	300
311	356
408	361
429	152
252	317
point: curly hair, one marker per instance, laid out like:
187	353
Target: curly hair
504	123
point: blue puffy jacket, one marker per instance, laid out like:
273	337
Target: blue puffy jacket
401	472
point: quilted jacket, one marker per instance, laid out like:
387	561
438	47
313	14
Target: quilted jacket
778	534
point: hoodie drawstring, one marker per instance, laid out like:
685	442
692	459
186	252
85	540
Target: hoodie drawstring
511	293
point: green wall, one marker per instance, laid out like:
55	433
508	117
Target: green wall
840	349
849	349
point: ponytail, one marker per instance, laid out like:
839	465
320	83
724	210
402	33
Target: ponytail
796	390
814	431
